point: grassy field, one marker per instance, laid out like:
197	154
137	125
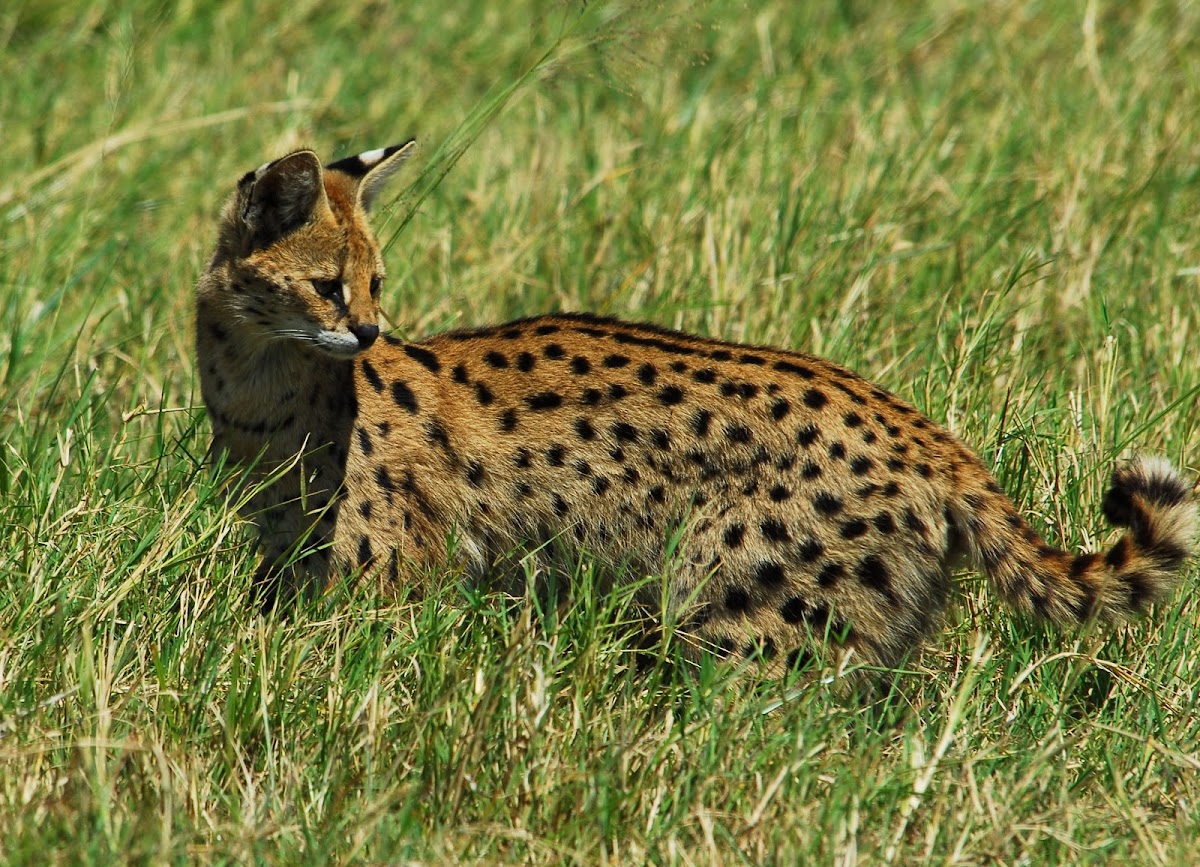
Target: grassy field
989	208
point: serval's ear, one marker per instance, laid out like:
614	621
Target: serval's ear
373	169
280	197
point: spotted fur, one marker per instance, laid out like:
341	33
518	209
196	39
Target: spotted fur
810	506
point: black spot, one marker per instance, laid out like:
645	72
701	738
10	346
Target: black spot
670	395
737	433
511	334
592	332
559	504
631	475
656	343
794	611
892	430
720	355
861	465
924	470
775	531
757	360
647	374
811	470
779	493
364	440
583	468
372	376
403	396
780	409
590	397
810	551
837	451
508	420
617	454
437	436
891	489
799	370
1119	555
737	600
769	573
544	400
701	419
617	391
872	572
625	432
884	523
869	437
459	374
815	398
854	396
728	389
600	485
483	394
584	429
914	523
475	474
826	503
553	351
523	490
830	573
616	361
799	659
580	366
806	436
854	528
896	464
384	480
852	419
657	494
747	390
364	509
555	455
734	534
423	357
522	459
496	359
660	439
679	366
364	551
705	375
525	362
543	330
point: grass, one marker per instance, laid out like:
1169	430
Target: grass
989	208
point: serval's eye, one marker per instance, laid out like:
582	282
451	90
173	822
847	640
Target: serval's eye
376	285
328	288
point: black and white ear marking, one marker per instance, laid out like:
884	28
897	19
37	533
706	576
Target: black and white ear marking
373	169
280	197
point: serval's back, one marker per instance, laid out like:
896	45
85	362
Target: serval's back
805	505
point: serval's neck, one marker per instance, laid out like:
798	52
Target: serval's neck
270	396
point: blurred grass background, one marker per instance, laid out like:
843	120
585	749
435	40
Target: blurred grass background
989	208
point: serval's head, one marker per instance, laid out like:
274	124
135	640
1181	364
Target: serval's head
297	259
